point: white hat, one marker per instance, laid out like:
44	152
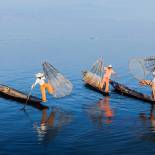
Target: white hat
110	66
38	75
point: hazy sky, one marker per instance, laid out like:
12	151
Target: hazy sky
76	29
114	9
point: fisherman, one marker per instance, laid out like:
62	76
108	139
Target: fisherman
150	83
105	81
40	79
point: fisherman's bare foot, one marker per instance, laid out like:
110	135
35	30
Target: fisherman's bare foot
44	101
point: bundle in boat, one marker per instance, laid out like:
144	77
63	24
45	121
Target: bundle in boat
94	76
62	86
92	79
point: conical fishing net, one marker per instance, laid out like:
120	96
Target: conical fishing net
94	76
149	63
142	67
61	85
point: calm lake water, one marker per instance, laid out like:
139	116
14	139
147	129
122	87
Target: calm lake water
71	35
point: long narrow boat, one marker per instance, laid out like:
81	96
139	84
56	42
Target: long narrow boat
101	91
13	94
124	90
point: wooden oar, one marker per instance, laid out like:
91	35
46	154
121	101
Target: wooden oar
27	99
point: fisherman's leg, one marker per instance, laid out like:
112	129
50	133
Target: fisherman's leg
50	88
107	86
43	92
153	94
102	83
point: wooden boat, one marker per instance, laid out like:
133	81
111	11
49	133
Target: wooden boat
13	94
101	91
124	90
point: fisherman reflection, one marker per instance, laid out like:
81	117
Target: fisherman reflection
104	106
102	113
50	126
149	135
151	117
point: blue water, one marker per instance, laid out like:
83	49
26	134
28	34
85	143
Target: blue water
71	35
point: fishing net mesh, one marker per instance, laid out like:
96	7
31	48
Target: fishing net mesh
142	67
94	76
61	85
149	63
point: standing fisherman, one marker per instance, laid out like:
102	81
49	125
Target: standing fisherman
150	83
40	79
105	81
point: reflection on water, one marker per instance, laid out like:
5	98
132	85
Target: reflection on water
151	117
102	112
149	121
50	126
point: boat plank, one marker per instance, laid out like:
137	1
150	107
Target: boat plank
126	91
13	94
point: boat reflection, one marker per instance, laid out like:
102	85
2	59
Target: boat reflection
101	113
51	125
